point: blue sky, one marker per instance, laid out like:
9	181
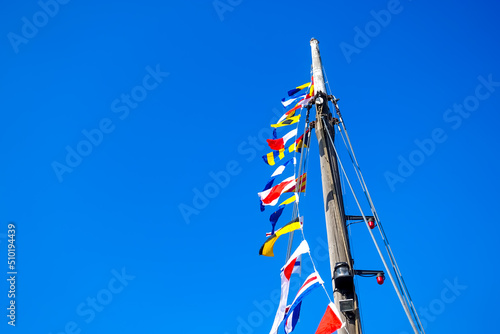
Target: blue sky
158	98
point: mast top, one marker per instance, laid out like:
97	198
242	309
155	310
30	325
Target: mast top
317	68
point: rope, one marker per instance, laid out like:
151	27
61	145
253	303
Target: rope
403	302
295	212
401	284
400	280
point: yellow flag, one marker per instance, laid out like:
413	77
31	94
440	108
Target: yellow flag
287	121
267	247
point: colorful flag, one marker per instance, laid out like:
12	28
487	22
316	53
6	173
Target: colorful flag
275	216
297	89
271	196
290	200
279	144
301	181
292	319
286	102
312	282
267	247
301	142
289	113
287	121
281	168
271	157
270	182
285	274
297	268
331	320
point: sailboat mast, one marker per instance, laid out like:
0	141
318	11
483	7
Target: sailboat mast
338	242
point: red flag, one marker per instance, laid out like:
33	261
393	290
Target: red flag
279	144
330	321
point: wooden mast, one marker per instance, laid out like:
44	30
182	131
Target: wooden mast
338	242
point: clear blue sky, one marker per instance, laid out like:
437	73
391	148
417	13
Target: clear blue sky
169	94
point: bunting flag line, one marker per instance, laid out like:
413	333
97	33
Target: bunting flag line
285	274
297	89
271	157
303	102
267	248
331	320
279	144
301	181
287	121
271	196
312	282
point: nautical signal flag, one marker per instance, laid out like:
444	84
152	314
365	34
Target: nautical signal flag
275	216
289	113
268	185
312	282
292	319
285	274
277	172
271	157
301	181
267	247
279	144
287	121
301	142
331	321
290	200
281	168
286	102
271	196
297	89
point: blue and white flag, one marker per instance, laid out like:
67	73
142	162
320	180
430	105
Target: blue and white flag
312	282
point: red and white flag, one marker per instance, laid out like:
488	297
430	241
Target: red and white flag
286	273
271	196
331	321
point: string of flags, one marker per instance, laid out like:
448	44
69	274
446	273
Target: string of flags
270	196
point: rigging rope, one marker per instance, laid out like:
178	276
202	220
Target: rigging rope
401	299
298	185
401	283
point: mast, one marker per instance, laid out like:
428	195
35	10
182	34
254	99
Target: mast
338	242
